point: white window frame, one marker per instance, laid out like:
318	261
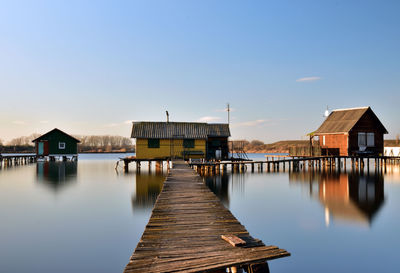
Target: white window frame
362	139
323	140
61	145
370	139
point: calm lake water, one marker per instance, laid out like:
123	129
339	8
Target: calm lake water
86	217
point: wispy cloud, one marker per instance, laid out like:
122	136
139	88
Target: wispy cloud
208	119
44	121
251	123
308	79
19	122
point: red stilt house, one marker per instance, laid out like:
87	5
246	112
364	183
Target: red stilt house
353	131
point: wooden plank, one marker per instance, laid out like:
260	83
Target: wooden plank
233	240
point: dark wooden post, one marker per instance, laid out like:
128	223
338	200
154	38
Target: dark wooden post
258	268
384	164
138	166
126	166
344	164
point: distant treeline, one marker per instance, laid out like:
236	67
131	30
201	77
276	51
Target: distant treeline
105	143
109	143
258	146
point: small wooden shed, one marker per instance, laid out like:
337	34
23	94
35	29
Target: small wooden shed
56	143
352	131
162	140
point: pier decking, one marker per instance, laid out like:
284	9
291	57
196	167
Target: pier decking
185	229
8	160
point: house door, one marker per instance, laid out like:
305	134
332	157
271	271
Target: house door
40	148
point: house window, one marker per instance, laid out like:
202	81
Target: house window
323	140
216	143
153	143
362	139
370	139
61	145
188	143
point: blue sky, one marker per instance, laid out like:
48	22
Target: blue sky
91	67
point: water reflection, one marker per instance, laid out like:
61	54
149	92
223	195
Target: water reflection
392	174
56	174
148	186
219	185
349	197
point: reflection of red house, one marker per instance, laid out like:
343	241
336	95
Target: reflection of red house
334	195
350	197
334	187
350	132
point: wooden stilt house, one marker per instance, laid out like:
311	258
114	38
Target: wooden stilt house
56	143
353	131
162	140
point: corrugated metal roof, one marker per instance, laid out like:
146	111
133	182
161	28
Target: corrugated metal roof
218	130
51	132
343	120
179	130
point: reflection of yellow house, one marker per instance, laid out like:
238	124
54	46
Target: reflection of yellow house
161	140
148	186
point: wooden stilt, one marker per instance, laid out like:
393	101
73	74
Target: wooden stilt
126	166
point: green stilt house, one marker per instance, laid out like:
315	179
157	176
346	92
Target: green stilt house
56	144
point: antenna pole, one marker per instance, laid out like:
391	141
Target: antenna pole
228	109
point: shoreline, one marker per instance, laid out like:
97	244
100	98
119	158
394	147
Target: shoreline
127	152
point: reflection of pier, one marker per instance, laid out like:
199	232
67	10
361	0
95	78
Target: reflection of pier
56	174
219	185
350	197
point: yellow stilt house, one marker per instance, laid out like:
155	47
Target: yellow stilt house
162	140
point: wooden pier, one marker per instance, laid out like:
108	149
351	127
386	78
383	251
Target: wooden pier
320	163
159	163
188	229
14	160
